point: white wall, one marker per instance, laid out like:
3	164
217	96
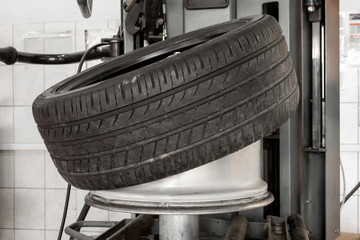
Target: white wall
346	5
30	11
349	120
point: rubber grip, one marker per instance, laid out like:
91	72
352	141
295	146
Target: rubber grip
8	55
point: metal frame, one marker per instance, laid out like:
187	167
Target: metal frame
332	141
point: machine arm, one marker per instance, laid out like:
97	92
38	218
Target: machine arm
10	55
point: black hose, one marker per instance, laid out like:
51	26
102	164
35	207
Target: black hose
352	192
64	212
87	53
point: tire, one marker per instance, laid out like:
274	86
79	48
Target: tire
150	113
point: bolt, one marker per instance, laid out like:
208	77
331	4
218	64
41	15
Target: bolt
277	230
160	21
311	8
336	230
307	201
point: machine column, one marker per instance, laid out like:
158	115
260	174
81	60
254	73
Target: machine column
179	227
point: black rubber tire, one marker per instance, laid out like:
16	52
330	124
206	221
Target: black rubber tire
143	117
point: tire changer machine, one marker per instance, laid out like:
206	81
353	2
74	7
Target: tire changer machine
271	189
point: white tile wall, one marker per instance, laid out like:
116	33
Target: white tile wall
349	140
349	218
29	208
60	37
350	164
6	33
349	90
6	90
6	124
32	192
348	123
54	205
6	208
27	37
52	234
8	234
29	234
25	129
52	176
6	169
29	169
28	83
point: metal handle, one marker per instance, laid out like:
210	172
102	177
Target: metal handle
8	55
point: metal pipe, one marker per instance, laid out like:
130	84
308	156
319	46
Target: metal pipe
297	227
84	212
237	229
352	192
179	227
138	227
71	229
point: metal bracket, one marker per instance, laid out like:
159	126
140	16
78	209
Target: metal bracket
85	7
200	4
135	9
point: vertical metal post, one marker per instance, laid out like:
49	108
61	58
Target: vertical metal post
332	164
175	17
179	227
128	38
289	131
316	85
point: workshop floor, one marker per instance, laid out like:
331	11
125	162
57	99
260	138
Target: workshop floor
349	236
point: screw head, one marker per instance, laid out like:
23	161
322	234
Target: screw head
336	230
311	8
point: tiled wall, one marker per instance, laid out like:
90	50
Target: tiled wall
32	193
349	117
350	146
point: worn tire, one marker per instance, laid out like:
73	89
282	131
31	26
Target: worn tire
137	119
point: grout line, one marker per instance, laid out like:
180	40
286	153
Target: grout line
357	171
357	217
28	229
358	113
13	188
13	89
